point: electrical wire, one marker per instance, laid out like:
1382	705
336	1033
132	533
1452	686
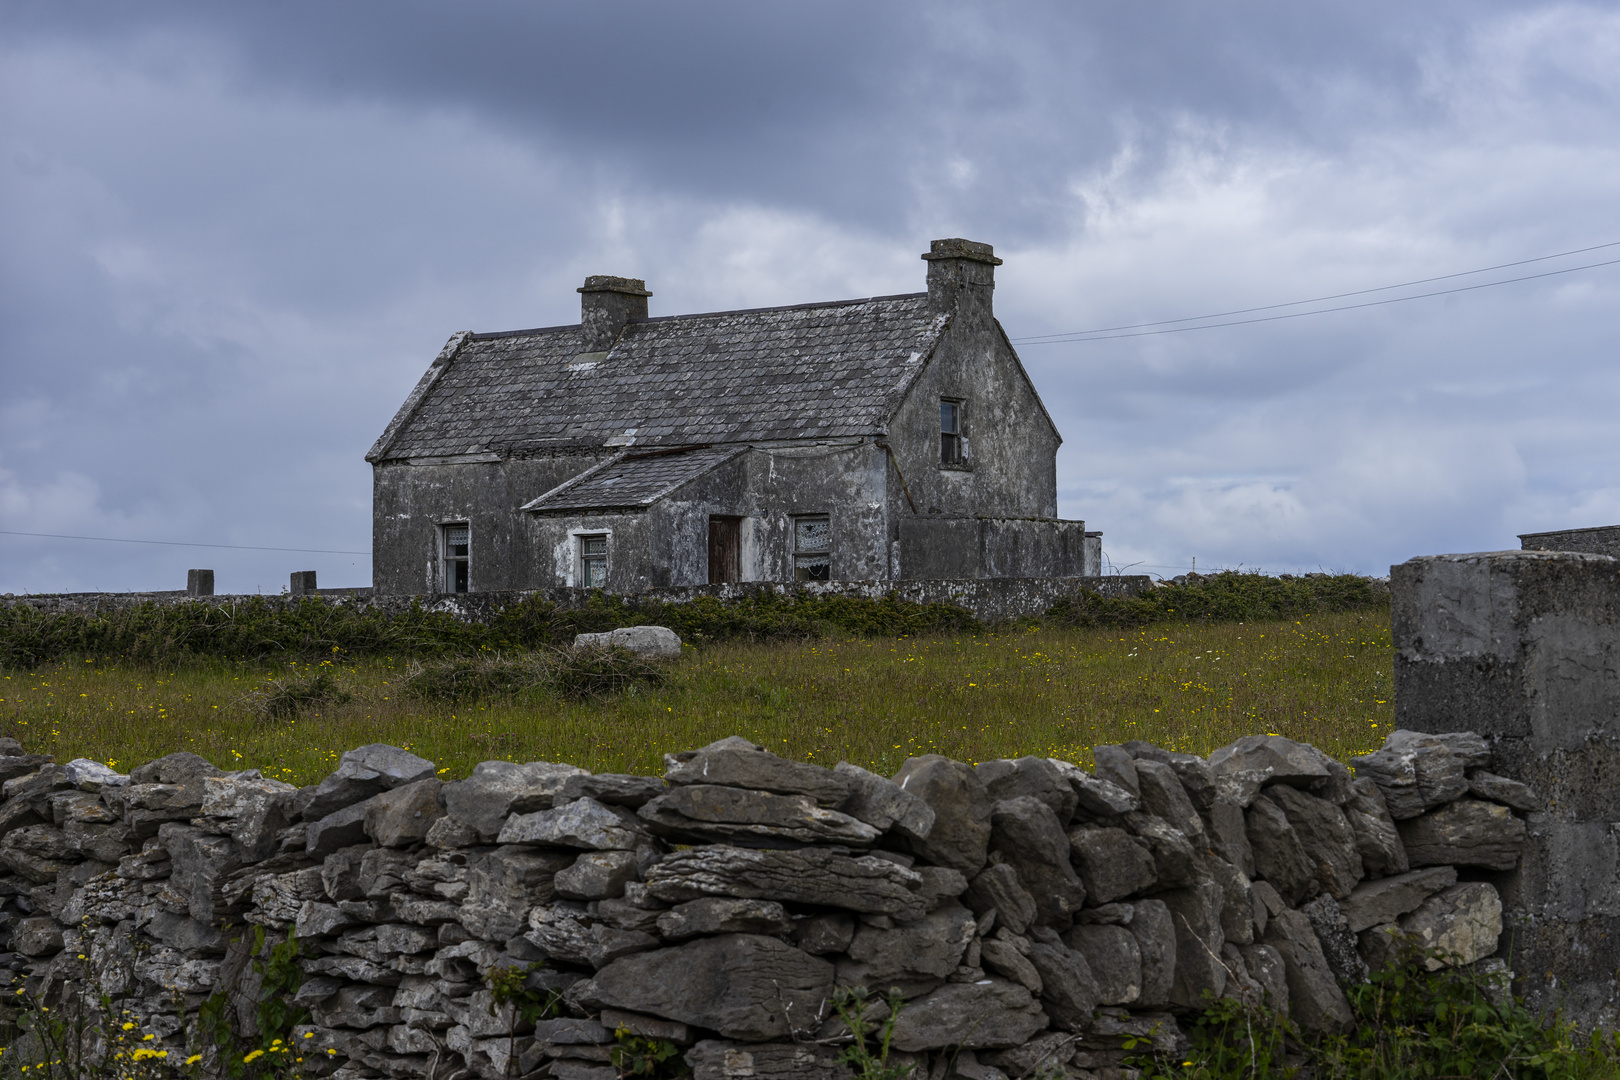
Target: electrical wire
1109	333
178	543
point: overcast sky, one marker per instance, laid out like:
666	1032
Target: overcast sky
235	235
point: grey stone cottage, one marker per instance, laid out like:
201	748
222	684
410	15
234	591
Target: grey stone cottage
896	437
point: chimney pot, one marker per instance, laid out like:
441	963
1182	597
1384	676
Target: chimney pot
607	303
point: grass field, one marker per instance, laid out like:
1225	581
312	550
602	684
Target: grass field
1324	679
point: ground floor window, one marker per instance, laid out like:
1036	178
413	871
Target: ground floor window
456	544
593	561
812	548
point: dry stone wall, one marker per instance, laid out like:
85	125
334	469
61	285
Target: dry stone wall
1030	913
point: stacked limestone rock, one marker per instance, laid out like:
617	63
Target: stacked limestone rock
1027	911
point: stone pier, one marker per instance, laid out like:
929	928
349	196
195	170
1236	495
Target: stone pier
1521	646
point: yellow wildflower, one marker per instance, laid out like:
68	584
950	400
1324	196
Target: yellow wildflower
253	1056
193	1059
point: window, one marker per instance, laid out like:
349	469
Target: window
950	432
457	543
812	548
593	561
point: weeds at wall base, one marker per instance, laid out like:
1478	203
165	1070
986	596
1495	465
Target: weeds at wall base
1410	1024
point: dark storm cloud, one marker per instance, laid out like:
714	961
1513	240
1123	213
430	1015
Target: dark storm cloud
237	233
843	108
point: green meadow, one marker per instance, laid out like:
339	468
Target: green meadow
972	694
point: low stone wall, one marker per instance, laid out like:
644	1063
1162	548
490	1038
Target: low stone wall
986	598
1026	910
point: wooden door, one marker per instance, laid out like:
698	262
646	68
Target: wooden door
724	555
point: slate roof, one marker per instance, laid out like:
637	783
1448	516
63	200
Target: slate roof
633	480
807	371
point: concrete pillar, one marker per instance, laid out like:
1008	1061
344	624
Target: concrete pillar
199	583
1524	647
303	583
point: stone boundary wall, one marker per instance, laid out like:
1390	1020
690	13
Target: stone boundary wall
1027	911
986	598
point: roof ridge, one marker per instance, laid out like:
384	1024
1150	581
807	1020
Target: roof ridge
494	334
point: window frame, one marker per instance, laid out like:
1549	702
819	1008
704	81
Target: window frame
584	560
953	443
449	563
797	553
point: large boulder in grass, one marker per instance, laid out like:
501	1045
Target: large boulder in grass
657	642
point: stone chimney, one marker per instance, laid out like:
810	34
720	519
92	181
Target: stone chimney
606	304
962	278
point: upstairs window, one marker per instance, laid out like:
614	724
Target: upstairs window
593	561
812	548
950	431
456	545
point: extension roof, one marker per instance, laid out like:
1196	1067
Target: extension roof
811	371
633	480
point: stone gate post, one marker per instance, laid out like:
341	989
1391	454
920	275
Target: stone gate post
1522	646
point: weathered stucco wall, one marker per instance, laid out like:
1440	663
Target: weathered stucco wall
1603	540
950	547
1524	647
1010	466
410	502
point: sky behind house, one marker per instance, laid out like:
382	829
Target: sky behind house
235	236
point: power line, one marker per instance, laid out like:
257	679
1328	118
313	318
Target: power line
177	543
1108	333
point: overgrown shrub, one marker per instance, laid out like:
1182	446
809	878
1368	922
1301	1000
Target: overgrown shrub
312	626
309	627
285	699
576	673
482	677
1230	596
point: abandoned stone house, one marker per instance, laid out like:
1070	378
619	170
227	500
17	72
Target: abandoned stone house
897	437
